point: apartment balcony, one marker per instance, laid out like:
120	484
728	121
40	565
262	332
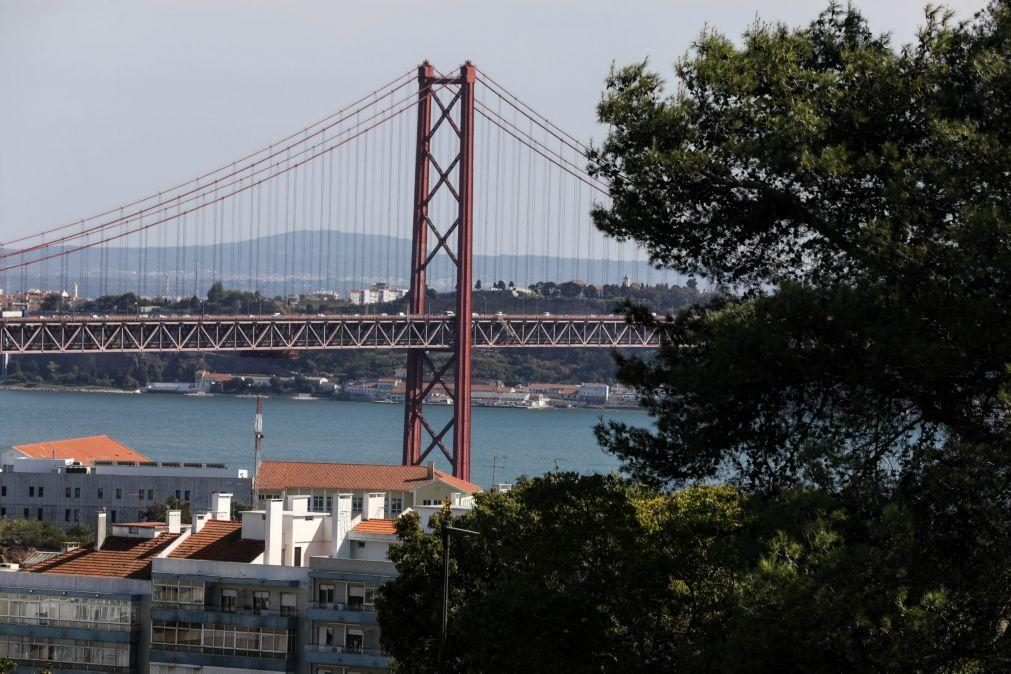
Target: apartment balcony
349	656
346	612
236	659
39	664
245	616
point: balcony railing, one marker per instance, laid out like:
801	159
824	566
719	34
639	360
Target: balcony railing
55	622
221	650
244	610
76	665
350	650
357	607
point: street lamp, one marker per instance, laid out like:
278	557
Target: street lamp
446	531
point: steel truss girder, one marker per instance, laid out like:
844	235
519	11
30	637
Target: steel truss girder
422	332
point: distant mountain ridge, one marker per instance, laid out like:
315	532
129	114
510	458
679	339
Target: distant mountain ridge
301	262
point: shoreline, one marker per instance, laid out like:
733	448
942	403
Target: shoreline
55	388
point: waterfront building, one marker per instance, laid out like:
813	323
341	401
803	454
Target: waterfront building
593	394
68	482
402	487
377	294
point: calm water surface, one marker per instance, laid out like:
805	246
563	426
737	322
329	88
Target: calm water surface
219	429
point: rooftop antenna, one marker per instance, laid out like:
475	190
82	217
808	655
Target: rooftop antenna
257	446
494	466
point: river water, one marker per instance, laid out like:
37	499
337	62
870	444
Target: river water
219	429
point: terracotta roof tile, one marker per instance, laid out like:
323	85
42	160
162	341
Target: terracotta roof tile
84	450
119	558
278	475
375	527
220	541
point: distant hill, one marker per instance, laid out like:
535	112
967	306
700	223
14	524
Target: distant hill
279	264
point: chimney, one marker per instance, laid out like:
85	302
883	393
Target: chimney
272	543
221	506
199	521
374	506
298	503
101	530
340	525
431	470
174	520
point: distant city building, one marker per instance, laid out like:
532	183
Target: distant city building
68	482
377	294
593	394
289	588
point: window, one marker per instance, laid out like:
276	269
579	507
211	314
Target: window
26	513
150	494
187	498
31	492
361	544
68	492
356	504
3	490
288	606
77	515
427	502
101	493
329	504
38	514
396	505
40	491
140	494
317	503
3	512
229	600
179	494
66	515
112	516
119	493
325	595
261	601
77	492
298	556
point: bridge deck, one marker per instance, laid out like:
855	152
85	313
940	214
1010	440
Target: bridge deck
133	334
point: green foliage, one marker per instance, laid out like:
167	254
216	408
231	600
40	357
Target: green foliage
7	665
865	185
594	574
156	512
31	533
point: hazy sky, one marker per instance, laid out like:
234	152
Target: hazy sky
104	101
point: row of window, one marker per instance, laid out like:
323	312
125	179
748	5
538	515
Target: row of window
39	649
354	596
16	607
394	505
26	513
181	592
261	641
75	492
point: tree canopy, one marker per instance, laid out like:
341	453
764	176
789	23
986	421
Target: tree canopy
826	484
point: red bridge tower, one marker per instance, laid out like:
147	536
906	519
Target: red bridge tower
454	99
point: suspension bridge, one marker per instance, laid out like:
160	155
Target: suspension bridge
475	185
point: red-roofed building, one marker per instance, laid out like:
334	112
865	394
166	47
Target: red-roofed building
402	486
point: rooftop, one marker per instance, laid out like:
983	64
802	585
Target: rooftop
120	557
219	541
84	450
376	527
278	475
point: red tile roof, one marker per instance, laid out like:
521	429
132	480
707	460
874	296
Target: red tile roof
84	450
375	527
219	541
120	557
278	475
